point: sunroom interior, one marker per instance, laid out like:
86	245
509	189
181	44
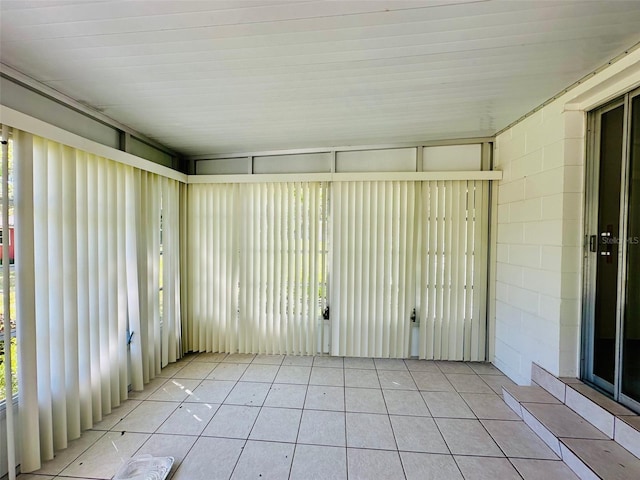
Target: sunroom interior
290	239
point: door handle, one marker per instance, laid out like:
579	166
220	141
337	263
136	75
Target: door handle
606	243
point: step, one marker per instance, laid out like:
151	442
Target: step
614	420
599	459
589	452
514	395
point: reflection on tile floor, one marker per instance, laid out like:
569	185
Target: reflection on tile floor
279	417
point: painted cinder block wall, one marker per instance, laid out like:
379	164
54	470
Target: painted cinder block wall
539	228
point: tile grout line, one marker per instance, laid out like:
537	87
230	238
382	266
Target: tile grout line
346	440
244	445
198	436
272	383
393	432
306	390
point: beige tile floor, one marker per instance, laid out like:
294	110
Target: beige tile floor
278	417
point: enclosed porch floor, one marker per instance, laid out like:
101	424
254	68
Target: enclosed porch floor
277	417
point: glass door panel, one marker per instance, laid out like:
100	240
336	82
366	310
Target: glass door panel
630	367
606	251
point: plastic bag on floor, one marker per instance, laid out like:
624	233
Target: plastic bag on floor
145	467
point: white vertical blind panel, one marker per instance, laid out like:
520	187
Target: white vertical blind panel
175	338
279	252
212	278
83	275
371	298
165	307
453	240
441	269
140	346
55	293
469	270
41	247
147	276
123	294
191	309
185	331
94	285
112	284
208	259
27	329
135	295
170	275
457	261
69	266
480	245
104	284
96	227
144	279
154	284
191	321
253	266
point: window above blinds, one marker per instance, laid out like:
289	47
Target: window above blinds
387	160
452	158
465	155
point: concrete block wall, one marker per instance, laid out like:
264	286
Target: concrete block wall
539	236
538	291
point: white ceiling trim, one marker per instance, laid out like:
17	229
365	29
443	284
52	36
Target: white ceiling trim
347	177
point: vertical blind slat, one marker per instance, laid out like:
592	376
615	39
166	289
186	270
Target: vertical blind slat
367	311
122	284
69	267
112	282
41	256
55	295
84	324
29	421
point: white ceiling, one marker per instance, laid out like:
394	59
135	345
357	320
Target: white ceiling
221	76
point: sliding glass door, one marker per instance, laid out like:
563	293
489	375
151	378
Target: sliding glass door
630	365
612	251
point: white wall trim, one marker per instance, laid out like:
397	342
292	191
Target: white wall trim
27	123
616	86
346	177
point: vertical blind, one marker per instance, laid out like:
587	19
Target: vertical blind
454	232
255	267
211	319
171	347
373	268
397	246
280	267
99	270
91	269
257	256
